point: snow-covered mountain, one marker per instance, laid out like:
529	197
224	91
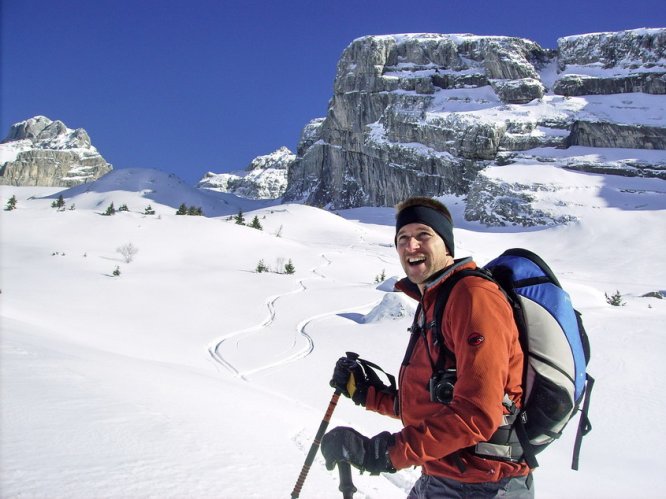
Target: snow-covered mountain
430	113
190	374
264	178
42	152
154	187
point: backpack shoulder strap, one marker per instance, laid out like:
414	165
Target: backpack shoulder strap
443	294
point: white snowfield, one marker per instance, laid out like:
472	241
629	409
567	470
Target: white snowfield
192	375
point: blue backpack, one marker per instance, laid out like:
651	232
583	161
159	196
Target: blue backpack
556	384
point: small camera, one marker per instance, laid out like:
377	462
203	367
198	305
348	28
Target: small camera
441	386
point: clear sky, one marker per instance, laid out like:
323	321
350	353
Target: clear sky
190	86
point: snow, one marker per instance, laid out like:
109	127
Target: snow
191	375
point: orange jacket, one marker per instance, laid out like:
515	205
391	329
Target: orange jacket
478	327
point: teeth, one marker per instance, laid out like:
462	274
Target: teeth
416	259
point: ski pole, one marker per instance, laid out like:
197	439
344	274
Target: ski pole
346	485
315	446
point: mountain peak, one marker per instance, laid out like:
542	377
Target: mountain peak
41	151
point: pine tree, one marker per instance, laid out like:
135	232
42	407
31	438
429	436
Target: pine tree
60	203
381	277
240	219
110	210
289	267
615	299
11	204
261	267
256	224
149	210
123	207
182	209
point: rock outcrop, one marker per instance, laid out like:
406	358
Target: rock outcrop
264	178
42	152
425	113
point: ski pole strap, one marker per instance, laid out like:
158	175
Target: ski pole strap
584	425
369	369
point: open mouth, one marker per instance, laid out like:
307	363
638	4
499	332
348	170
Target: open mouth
415	260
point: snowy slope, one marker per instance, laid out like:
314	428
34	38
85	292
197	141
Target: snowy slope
191	375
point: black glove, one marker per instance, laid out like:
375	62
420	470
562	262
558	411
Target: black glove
347	445
349	378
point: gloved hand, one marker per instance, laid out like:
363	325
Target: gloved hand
346	444
349	378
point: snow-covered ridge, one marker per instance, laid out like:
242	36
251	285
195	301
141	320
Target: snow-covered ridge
264	178
42	152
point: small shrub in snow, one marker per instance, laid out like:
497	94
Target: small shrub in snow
149	210
128	251
11	204
59	203
240	219
615	299
381	277
289	267
123	207
110	210
116	271
261	267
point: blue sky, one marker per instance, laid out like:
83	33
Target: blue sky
200	85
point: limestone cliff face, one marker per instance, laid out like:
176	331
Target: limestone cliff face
42	152
425	113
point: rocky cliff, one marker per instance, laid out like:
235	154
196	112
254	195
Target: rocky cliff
264	178
42	152
425	113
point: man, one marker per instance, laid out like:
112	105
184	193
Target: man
482	374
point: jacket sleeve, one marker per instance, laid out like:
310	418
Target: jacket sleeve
382	401
479	328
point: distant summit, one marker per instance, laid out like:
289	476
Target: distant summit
42	152
264	178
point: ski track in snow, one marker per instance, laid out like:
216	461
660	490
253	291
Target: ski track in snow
215	349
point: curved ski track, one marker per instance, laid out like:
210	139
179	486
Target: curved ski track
215	349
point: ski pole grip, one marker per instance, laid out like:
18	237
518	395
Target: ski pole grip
346	485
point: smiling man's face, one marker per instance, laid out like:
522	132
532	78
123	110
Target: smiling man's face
422	252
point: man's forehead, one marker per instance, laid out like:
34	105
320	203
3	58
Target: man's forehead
413	227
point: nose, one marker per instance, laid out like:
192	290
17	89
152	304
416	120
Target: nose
411	243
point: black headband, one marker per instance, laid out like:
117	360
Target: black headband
430	217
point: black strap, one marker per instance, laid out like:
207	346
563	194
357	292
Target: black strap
584	425
443	294
529	451
415	330
369	369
